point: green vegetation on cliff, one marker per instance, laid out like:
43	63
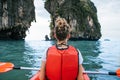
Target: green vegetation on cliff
80	14
15	18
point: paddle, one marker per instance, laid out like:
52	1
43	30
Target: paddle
4	67
7	66
117	73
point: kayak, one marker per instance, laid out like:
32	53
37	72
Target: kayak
36	76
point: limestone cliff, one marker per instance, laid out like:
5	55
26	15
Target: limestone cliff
80	14
15	18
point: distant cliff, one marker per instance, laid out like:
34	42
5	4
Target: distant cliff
80	14
15	18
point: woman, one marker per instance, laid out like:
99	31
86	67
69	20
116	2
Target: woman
61	61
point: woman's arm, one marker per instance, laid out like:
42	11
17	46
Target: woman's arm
42	71
80	73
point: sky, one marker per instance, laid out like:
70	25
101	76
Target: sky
40	28
108	15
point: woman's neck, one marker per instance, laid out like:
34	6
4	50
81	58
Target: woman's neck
64	42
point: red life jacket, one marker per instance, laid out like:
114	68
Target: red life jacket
62	64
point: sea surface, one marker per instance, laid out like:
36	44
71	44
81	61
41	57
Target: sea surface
102	55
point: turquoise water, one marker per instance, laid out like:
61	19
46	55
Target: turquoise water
102	55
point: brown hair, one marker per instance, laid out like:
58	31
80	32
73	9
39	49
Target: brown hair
62	28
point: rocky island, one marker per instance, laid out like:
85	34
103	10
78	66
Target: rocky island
16	17
80	14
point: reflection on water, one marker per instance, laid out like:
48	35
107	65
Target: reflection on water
21	53
13	51
98	55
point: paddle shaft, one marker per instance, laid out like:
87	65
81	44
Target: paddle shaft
103	73
26	68
88	72
7	66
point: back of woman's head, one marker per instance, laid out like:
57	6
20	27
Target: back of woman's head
62	29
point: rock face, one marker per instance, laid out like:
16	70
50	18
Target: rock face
80	14
15	18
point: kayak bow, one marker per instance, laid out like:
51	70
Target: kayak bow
36	76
